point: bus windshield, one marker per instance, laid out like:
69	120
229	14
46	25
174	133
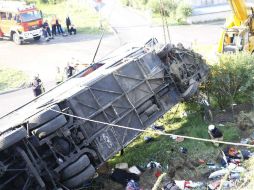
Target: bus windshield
30	16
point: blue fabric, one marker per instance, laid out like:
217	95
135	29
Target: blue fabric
132	185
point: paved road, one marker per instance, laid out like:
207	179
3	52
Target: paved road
43	58
129	26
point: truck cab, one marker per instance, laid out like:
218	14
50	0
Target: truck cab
20	22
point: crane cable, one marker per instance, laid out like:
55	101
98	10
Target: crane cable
164	23
153	132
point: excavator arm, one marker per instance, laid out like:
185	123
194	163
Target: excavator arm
237	19
239	8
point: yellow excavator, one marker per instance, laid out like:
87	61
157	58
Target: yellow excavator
238	34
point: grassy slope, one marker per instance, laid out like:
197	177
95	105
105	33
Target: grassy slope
141	153
11	78
85	18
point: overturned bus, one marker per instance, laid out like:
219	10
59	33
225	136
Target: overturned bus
42	146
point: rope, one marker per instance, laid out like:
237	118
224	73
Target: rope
154	132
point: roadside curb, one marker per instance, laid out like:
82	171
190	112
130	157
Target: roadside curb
13	90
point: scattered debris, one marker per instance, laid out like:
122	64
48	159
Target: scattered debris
123	166
134	170
183	150
123	177
157	127
153	164
179	139
148	139
132	185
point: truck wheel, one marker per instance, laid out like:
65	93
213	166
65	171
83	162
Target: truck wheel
50	127
11	137
76	167
16	39
43	117
77	180
37	38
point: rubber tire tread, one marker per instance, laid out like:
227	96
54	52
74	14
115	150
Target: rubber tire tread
144	106
76	167
50	127
12	137
43	117
80	178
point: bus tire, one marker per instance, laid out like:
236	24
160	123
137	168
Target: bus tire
11	137
50	127
77	180
76	167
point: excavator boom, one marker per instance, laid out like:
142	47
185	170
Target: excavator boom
239	10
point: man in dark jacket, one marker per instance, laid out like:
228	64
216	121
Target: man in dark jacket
46	29
69	70
68	23
37	86
215	134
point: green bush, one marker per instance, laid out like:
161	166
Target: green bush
232	79
139	4
183	11
45	1
169	6
125	2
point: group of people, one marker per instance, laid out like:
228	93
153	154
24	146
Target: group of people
37	85
56	28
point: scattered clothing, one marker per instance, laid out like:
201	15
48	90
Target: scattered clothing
170	186
158	127
148	139
183	150
123	177
132	185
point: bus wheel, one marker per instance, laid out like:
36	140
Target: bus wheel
16	39
37	38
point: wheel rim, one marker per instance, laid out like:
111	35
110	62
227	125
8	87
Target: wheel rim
16	39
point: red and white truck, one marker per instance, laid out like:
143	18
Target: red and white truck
19	21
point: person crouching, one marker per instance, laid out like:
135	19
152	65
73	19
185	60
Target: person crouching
215	134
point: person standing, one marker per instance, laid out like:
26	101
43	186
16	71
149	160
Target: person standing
68	23
53	25
37	86
59	27
69	70
59	75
